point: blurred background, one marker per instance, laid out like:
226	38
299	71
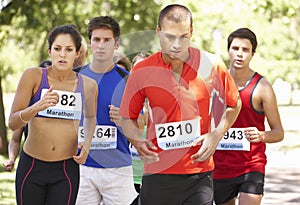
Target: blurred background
24	26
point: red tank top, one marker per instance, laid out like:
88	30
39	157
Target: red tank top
230	164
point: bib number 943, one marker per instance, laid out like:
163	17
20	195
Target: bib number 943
234	139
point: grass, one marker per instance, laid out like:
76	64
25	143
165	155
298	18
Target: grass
7	188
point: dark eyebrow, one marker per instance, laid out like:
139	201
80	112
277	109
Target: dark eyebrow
168	34
243	48
96	37
171	35
70	46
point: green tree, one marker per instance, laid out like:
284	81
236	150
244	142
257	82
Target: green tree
275	22
26	25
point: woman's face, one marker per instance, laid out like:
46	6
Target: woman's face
63	52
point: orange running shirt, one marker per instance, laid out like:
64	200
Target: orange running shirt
179	111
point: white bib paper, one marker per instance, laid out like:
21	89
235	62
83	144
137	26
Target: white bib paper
234	139
69	106
105	137
176	135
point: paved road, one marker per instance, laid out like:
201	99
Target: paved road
282	184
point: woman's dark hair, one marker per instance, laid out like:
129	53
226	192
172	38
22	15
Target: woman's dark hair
65	29
45	63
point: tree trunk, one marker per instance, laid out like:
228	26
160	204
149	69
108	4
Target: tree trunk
3	130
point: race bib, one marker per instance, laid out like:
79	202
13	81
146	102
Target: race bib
105	137
134	153
234	139
69	106
176	135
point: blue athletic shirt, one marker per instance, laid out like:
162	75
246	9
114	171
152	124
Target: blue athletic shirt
45	85
111	87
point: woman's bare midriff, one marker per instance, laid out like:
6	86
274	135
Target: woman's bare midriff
52	141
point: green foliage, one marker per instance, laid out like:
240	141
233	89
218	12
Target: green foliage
138	20
26	24
287	70
37	17
275	22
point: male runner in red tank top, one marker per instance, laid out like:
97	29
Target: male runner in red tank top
240	158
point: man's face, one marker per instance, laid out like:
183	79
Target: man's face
175	38
240	53
102	44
